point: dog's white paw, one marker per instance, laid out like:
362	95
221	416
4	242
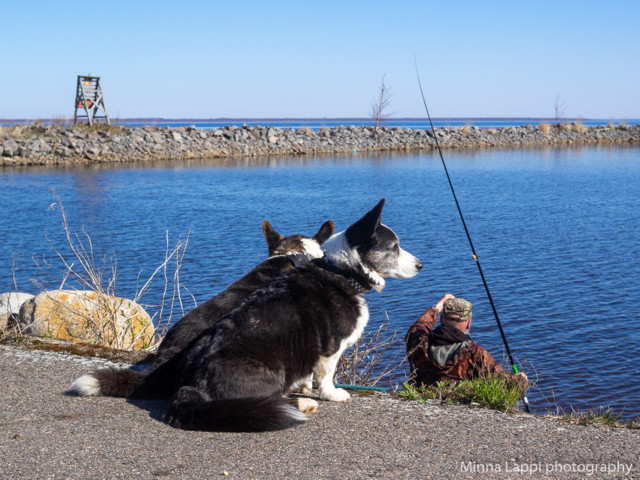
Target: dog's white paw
335	395
307	405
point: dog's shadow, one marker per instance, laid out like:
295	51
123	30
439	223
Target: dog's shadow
156	408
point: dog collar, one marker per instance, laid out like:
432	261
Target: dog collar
357	286
358	283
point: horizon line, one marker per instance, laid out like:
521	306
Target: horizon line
253	119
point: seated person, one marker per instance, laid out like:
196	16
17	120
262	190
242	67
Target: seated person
448	352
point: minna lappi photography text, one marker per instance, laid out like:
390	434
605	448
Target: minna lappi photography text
599	470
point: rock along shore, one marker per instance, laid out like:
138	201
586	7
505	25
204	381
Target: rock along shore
53	145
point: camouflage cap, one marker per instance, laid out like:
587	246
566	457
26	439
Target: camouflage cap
457	310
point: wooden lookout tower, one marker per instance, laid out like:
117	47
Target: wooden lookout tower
89	100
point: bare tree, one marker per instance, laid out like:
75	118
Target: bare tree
380	105
559	109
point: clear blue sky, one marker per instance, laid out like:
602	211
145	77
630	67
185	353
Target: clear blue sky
259	59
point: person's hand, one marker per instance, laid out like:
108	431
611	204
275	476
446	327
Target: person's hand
521	374
438	306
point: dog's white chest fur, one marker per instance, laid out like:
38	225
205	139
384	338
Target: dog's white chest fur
325	368
361	323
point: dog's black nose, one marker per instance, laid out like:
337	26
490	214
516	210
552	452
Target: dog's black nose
419	266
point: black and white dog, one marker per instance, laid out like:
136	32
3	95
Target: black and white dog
233	375
158	381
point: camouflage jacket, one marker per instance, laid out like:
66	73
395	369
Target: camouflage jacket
461	360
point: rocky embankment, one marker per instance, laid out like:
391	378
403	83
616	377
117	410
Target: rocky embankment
57	145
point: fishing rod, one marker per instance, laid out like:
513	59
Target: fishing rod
473	250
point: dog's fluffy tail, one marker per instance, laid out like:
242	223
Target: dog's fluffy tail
111	382
191	409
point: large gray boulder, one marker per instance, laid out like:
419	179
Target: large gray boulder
10	148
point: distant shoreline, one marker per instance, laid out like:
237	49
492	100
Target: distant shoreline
53	145
345	120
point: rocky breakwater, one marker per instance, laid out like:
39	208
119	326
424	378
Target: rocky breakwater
57	145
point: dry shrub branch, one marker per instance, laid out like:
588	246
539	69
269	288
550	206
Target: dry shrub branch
365	362
102	311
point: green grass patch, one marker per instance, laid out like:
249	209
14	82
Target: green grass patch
496	393
600	416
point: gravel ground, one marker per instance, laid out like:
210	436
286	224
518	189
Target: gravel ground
45	434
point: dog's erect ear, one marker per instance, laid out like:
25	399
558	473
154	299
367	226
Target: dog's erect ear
361	232
270	235
326	230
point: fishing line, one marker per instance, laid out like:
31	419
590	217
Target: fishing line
466	230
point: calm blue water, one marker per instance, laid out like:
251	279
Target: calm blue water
556	232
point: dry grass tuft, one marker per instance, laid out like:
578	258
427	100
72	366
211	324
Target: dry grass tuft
100	127
545	128
578	127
